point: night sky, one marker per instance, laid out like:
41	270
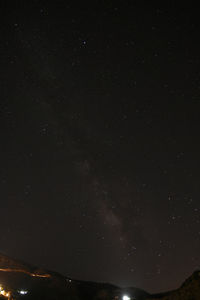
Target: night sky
99	139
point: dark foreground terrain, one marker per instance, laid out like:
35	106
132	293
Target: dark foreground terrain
22	281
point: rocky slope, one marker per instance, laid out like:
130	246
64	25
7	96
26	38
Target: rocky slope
189	290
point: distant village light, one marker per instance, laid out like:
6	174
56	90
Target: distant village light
4	293
23	292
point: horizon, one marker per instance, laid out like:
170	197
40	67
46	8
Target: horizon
68	277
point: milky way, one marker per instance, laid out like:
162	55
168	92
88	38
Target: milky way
99	127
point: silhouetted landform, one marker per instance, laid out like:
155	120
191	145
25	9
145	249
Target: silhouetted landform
189	290
19	280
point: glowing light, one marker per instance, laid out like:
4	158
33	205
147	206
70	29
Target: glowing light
125	297
4	293
23	292
25	272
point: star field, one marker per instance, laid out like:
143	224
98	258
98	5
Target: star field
99	128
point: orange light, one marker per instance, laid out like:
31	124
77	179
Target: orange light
4	293
25	272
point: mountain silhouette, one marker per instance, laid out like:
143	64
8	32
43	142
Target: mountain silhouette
19	280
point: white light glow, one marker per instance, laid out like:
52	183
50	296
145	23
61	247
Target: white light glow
23	292
125	297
